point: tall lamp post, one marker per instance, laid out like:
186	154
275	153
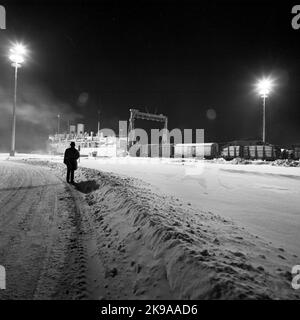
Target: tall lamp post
99	112
264	87
17	56
58	124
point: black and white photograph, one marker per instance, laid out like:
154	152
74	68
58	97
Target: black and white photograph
149	151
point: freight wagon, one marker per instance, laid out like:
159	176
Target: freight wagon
152	150
182	150
296	152
196	150
264	152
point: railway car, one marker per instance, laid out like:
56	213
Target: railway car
297	152
152	150
253	152
231	152
196	150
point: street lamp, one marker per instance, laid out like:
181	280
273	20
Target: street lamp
17	55
264	88
58	124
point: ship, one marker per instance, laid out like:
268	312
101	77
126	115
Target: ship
88	144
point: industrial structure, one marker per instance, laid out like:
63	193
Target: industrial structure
136	114
127	143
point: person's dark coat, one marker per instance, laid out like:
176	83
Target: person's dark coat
70	158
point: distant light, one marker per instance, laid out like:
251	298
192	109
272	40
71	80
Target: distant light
83	99
264	87
17	53
211	114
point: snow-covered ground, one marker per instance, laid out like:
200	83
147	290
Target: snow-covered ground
112	237
262	198
158	229
35	231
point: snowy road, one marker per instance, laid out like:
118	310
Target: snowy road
35	211
263	199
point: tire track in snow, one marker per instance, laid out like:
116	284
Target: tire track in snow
37	231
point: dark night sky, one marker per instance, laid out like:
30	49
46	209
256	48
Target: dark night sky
176	58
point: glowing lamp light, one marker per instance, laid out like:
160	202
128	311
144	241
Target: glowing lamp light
17	54
264	87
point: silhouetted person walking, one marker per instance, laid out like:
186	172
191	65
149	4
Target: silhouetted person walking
70	160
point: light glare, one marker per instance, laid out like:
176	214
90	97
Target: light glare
264	87
17	53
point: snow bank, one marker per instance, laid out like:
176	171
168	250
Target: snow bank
278	162
199	254
286	163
